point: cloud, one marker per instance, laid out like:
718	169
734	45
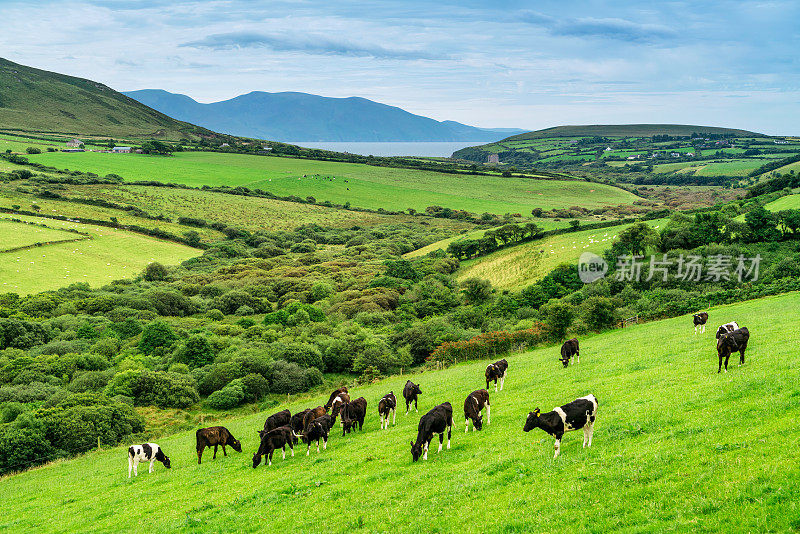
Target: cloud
608	28
308	44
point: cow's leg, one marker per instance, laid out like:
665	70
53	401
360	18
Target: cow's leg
557	447
441	441
199	456
269	456
136	466
425	454
130	465
502	382
466	425
449	429
695	329
416	408
151	465
324	443
291	448
223	450
587	430
720	364
741	357
728	357
394	416
488	413
317	444
591	432
495	385
215	451
408	406
381	416
283	450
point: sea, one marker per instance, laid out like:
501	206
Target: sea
427	149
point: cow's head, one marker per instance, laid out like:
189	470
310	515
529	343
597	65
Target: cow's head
417	390
256	460
478	421
163	458
565	361
235	444
416	450
532	421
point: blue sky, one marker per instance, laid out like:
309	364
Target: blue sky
494	64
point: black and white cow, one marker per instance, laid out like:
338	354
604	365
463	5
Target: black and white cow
387	406
333	396
727	327
339	402
317	430
276	420
436	421
410	392
473	405
578	414
277	438
735	341
569	349
700	320
496	371
146	452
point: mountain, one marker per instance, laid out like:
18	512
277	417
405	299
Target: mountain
629	130
34	100
291	116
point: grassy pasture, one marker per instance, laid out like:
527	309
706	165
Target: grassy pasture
676	447
14	234
110	254
789	202
361	185
524	264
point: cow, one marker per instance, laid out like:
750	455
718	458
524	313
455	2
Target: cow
700	320
569	349
727	327
340	400
277	438
333	396
410	392
473	405
215	436
580	413
275	420
496	371
735	341
316	430
353	413
146	452
387	406
436	421
297	422
312	414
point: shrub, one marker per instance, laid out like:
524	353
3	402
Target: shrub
10	411
235	299
598	313
287	378
217	376
155	272
156	334
154	388
196	352
303	354
230	396
169	302
313	377
489	345
89	381
255	386
215	315
244	310
33	150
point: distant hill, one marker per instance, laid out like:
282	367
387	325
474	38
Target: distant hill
35	100
629	130
291	116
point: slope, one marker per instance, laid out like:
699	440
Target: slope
630	130
34	100
676	447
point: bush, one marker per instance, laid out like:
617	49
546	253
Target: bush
256	386
230	396
196	352
10	411
89	381
244	311
235	299
313	377
169	302
154	388
287	378
217	376
33	150
156	334
303	354
215	315
598	313
155	272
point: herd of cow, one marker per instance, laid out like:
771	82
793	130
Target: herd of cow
283	429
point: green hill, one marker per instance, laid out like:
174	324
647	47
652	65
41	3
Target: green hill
677	447
39	101
629	130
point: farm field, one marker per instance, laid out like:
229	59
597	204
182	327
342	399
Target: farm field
110	254
519	266
360	185
789	202
14	234
675	448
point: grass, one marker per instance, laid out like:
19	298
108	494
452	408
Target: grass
676	447
788	202
14	234
361	185
524	264
110	254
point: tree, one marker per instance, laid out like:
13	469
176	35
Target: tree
155	272
476	290
599	313
156	334
635	240
761	224
196	352
33	150
558	316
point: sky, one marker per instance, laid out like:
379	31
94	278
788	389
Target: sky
529	65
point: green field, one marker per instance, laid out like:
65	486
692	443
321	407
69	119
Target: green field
110	254
789	202
360	185
677	447
524	264
14	234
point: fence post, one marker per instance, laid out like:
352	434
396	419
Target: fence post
98	443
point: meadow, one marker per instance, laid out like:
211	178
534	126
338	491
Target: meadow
788	202
14	234
361	185
521	265
677	447
108	255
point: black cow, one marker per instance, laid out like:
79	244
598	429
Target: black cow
216	436
275	420
727	327
387	406
317	430
410	392
353	413
146	452
297	421
569	349
735	341
473	405
700	320
496	371
436	421
579	413
333	396
340	400
277	438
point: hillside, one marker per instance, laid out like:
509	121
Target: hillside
292	116
629	130
675	448
34	100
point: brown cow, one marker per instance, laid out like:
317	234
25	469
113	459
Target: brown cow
216	436
312	414
333	396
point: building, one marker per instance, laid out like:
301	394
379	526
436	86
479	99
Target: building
493	158
121	150
74	143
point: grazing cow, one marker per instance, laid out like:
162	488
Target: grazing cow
700	320
735	341
436	421
387	406
146	452
579	413
473	405
275	420
277	438
496	371
297	421
215	436
727	327
316	430
353	413
340	400
333	396
312	414
569	349
410	392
